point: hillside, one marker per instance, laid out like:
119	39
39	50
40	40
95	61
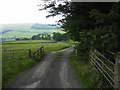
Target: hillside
44	26
12	31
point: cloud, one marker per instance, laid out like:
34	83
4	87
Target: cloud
23	11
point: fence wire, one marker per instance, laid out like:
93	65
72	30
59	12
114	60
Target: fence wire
14	55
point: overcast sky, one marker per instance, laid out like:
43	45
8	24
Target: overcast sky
23	11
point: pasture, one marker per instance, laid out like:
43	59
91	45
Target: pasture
14	62
12	31
34	45
26	41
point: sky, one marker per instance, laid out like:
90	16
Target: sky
24	11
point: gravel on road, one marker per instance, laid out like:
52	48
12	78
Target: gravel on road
54	71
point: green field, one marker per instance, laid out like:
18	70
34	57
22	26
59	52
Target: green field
49	47
24	30
27	41
21	57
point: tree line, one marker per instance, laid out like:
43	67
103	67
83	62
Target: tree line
45	36
96	25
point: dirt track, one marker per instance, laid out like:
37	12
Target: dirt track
53	72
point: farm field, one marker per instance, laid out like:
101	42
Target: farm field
14	62
49	47
12	31
27	41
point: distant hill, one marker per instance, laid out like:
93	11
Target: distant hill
44	26
11	31
5	31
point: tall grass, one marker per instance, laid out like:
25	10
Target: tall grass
88	75
11	69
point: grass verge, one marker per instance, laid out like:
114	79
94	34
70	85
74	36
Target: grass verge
11	69
87	75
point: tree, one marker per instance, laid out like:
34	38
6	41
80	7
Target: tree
17	39
34	37
43	36
61	37
57	36
65	37
94	25
48	37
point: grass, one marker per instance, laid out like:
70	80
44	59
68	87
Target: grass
23	30
11	69
88	75
28	41
58	55
71	42
23	62
13	64
49	47
29	33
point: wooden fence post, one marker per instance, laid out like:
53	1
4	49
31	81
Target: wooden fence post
117	71
13	55
30	53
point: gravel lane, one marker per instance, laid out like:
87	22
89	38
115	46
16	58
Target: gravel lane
54	71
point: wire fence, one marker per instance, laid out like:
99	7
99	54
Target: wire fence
14	55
